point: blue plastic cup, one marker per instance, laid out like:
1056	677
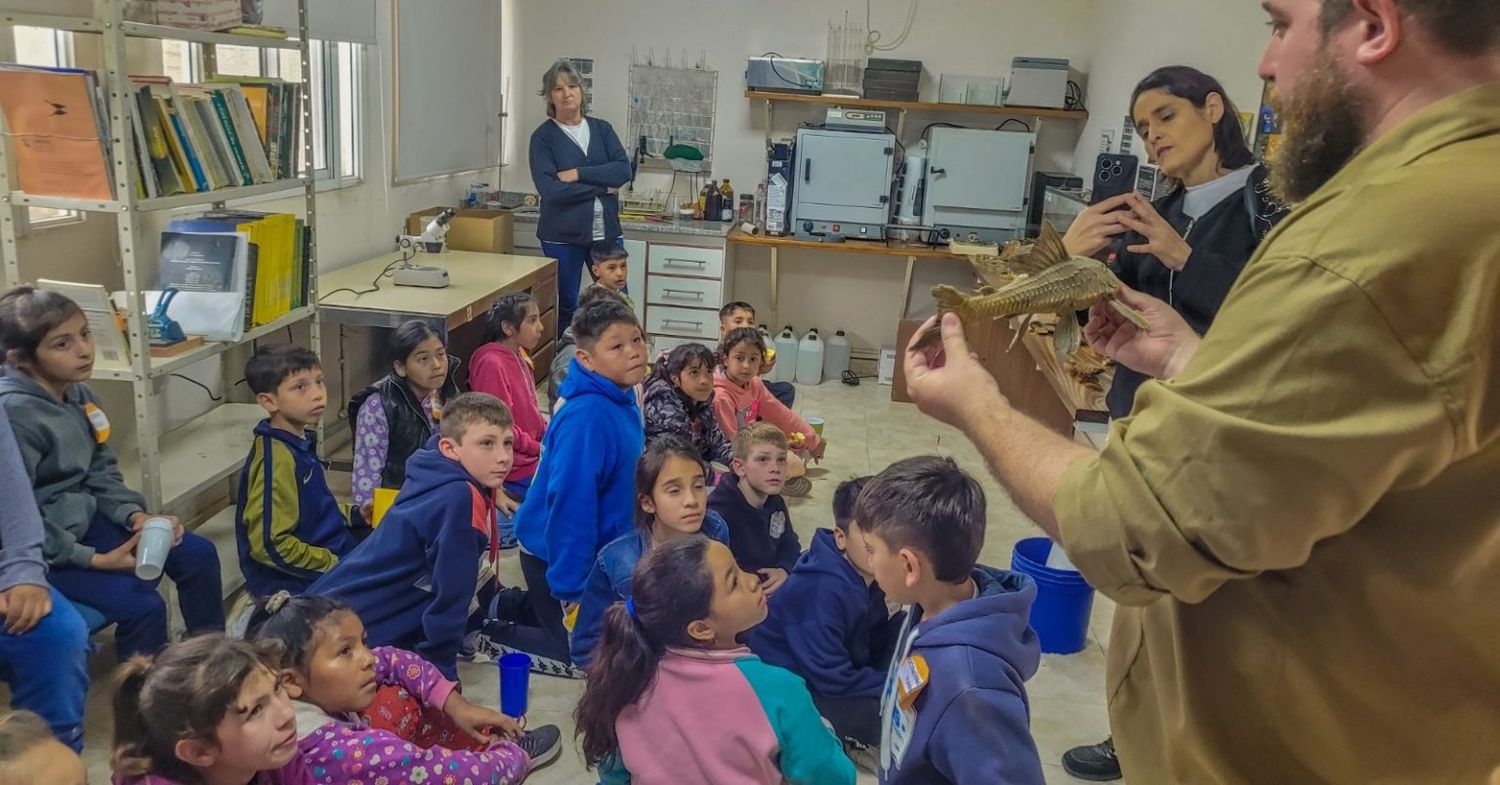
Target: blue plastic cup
515	682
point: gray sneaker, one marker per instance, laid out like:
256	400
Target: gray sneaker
542	745
1093	762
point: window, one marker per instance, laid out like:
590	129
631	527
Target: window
337	92
53	48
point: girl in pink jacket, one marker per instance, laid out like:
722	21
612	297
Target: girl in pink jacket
502	368
740	397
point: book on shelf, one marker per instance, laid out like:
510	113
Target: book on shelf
209	272
111	349
275	271
275	106
53	120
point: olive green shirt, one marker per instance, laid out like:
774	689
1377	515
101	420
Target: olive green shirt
1303	528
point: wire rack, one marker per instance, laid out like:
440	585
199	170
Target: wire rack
672	106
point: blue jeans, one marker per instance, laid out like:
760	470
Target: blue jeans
506	524
48	669
572	260
782	391
134	604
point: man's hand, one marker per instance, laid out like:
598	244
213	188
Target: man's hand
771	579
479	722
947	383
1161	351
137	520
568	175
1095	228
1162	241
121	559
24	606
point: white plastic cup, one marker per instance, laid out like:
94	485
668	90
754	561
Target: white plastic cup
151	551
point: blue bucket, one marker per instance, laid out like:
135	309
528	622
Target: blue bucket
1064	599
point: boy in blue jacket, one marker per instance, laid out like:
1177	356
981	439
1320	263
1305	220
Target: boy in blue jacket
414	580
583	495
830	625
954	706
289	527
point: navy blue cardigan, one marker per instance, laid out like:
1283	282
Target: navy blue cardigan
568	208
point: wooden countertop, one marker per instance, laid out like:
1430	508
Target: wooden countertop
474	281
883	248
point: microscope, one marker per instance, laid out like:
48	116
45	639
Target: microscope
432	240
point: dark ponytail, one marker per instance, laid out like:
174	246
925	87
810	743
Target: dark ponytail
671	589
508	309
681	359
183	693
1194	86
291	623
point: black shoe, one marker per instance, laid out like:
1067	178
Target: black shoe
541	745
1093	762
510	605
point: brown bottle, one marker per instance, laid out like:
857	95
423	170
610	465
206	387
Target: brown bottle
711	203
726	202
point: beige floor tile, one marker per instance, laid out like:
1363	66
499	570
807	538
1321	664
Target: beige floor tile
866	432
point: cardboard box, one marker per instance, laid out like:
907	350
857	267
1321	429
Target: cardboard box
482	230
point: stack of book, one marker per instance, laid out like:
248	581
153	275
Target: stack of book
187	138
274	275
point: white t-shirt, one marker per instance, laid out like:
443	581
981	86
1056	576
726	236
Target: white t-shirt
580	135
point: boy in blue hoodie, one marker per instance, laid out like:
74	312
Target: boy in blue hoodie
289	527
414	580
830	625
954	706
583	495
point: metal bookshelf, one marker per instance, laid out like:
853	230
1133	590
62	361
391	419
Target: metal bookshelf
168	468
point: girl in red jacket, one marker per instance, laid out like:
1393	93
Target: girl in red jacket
502	368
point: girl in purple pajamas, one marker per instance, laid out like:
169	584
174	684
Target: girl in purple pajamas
333	678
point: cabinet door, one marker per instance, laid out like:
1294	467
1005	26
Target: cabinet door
852	170
635	279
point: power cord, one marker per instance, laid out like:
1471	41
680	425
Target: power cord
374	285
852	379
206	388
1022	123
1074	96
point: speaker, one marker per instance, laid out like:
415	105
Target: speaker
1113	175
1039	183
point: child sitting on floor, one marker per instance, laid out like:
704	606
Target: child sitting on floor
208	709
352	701
395	416
609	263
672	697
288	526
414	581
567	345
671	497
954	707
739	314
831	626
502	367
30	753
582	498
760	527
91	517
679	400
740	398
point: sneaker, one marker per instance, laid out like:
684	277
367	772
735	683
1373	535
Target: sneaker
543	665
863	755
1093	762
510	605
541	745
796	487
477	647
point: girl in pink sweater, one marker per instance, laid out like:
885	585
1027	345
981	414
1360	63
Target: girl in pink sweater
502	368
671	697
740	398
208	709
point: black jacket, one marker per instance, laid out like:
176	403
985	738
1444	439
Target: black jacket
1223	240
668	410
568	208
406	419
758	538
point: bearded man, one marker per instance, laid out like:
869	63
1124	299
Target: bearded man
1300	519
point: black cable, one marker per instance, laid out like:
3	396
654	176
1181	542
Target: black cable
1074	96
777	71
1023	123
930	126
206	388
374	285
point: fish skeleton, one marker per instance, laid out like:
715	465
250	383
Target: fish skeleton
1048	280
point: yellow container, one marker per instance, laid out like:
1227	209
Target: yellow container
383	499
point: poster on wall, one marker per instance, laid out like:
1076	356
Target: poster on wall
1267	124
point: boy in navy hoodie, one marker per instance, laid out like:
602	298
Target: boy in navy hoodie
583	494
289	527
954	706
414	580
830	625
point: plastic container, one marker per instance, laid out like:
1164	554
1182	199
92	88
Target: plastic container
515	683
836	356
1064	600
151	552
810	359
786	356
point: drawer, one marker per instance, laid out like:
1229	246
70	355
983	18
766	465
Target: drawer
549	327
682	322
542	361
545	293
661	344
685	260
687	292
